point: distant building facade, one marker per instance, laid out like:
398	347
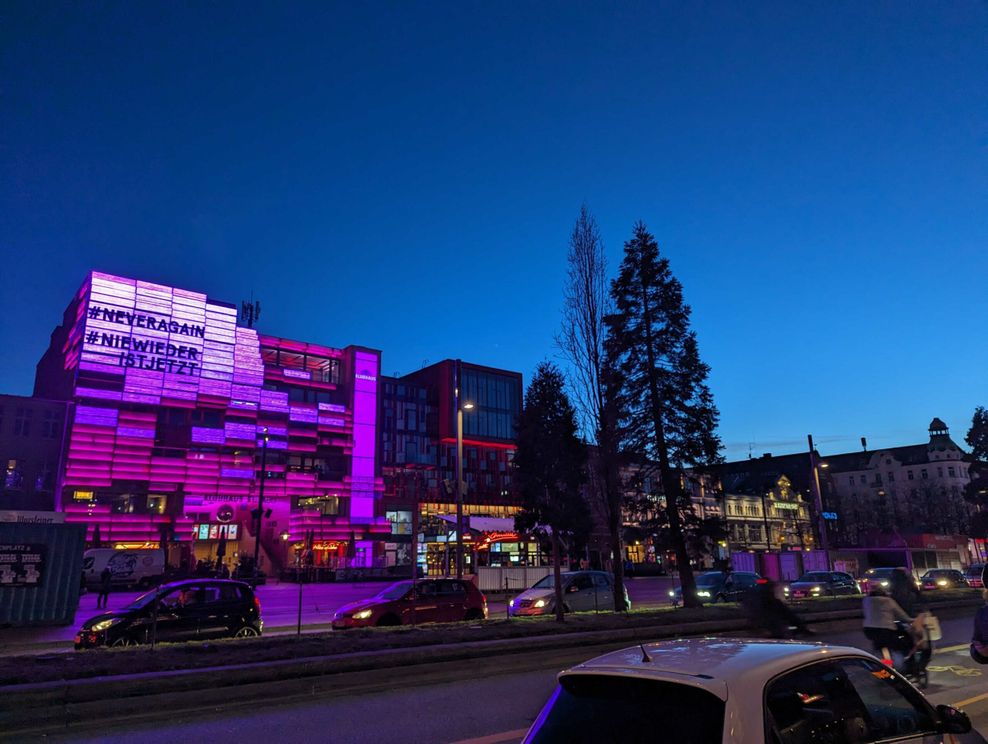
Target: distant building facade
31	449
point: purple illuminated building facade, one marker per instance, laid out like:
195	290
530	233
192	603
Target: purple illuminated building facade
171	404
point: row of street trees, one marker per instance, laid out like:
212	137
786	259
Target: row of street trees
639	397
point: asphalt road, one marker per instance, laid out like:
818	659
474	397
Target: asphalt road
279	608
480	702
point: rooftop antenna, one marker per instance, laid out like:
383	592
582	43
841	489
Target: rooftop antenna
646	659
250	311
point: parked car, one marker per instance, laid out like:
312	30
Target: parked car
402	603
198	609
720	586
973	575
129	568
582	591
881	577
822	584
721	690
944	578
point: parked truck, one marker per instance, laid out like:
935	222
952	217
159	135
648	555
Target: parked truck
129	568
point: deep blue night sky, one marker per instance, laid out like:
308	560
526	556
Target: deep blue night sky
405	176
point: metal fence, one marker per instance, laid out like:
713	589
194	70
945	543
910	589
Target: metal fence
513	579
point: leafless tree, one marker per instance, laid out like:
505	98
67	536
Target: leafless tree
581	341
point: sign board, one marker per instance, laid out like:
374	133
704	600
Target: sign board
22	564
830	515
206	531
32	517
786	505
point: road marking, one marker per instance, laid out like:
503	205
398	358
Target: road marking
971	701
960	671
504	736
948	649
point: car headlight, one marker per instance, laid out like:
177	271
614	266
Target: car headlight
104	624
816	590
785	590
672	593
540	603
511	603
703	593
941	582
883	583
363	614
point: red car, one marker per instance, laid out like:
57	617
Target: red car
428	601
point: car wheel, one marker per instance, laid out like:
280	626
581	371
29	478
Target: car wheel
247	631
123	641
388	621
473	614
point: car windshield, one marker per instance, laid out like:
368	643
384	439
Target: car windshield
395	591
144	600
709	579
879	573
815	576
548	582
607	708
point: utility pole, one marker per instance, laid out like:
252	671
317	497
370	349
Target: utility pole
260	500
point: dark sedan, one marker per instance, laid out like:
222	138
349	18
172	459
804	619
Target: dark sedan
720	586
199	609
822	584
944	578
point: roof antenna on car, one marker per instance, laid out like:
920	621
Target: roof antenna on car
646	659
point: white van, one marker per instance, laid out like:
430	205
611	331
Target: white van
132	568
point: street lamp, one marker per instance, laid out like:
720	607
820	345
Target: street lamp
260	500
815	465
460	408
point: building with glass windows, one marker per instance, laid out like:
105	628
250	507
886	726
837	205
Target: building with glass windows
182	421
419	465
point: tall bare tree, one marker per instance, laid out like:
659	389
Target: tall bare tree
581	340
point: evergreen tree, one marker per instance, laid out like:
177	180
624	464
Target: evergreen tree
549	463
667	413
977	435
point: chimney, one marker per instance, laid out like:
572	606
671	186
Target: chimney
767	456
864	444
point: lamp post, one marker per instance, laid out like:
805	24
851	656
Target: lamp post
460	408
260	500
815	465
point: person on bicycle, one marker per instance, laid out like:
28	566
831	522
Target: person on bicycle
880	615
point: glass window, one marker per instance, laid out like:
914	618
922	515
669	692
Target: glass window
893	708
909	475
592	707
923	474
601	581
951	472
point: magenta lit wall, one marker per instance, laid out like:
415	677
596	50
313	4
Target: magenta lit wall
138	346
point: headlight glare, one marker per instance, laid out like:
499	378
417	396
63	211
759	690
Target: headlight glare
104	624
363	614
540	603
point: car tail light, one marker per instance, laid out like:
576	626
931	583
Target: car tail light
257	604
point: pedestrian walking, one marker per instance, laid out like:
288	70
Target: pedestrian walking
979	639
105	580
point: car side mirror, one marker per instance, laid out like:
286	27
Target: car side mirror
953	720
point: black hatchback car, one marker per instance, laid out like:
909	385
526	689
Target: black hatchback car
198	609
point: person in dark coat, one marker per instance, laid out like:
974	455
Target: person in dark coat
105	580
979	639
904	591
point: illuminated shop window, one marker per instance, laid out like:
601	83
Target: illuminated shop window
83	496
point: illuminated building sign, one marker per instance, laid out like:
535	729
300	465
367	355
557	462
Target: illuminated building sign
168	343
830	515
786	505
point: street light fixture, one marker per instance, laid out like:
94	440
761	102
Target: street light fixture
460	406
